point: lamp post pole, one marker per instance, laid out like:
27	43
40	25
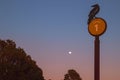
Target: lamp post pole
97	58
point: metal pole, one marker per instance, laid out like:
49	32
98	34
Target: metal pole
97	58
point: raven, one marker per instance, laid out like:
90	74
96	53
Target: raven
93	12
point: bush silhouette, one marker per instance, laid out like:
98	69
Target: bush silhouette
72	75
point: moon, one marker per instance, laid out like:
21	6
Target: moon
69	52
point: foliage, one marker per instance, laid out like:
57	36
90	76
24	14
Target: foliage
15	64
72	75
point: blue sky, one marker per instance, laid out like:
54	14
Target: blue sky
49	29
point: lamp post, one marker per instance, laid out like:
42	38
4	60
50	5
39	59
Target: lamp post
97	58
96	28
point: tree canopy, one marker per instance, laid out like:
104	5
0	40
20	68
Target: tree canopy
15	64
72	75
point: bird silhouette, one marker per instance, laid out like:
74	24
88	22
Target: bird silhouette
93	12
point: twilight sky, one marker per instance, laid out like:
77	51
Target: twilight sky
49	29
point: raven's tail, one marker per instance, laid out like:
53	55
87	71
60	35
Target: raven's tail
89	20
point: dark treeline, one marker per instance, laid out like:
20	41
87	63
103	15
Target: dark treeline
15	64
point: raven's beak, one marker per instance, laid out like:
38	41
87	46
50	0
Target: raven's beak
94	5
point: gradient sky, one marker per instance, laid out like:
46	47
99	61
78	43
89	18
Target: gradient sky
49	29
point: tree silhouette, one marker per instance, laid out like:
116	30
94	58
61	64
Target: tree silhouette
72	75
15	64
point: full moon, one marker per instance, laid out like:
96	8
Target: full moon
70	52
